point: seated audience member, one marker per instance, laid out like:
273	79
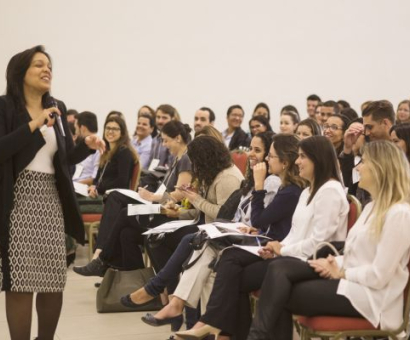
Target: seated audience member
349	113
117	164
289	121
403	112
234	136
273	220
320	215
217	178
400	135
71	127
85	125
259	124
210	130
327	109
308	128
160	155
311	103
378	118
334	130
71	115
115	113
203	117
318	114
369	279
168	275
343	104
113	245
145	109
261	109
142	140
290	108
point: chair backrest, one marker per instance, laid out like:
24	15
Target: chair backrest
240	159
135	179
355	209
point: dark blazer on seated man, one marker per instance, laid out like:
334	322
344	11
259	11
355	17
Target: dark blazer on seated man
239	138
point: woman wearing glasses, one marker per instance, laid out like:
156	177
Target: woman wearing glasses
116	166
334	130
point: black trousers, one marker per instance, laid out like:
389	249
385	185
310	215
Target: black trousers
238	273
292	287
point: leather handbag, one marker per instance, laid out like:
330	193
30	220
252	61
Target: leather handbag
117	283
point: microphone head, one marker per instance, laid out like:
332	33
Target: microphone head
49	101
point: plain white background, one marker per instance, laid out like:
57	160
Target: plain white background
123	54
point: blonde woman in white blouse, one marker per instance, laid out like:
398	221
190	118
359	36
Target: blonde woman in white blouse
368	281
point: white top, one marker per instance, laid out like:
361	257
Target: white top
43	161
376	270
227	138
243	213
324	219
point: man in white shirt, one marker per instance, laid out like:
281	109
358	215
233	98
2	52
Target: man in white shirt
85	125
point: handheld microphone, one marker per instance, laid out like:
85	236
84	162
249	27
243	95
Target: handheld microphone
49	102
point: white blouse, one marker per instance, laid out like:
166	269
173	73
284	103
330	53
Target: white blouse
271	184
376	269
43	161
324	219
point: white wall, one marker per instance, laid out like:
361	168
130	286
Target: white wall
125	53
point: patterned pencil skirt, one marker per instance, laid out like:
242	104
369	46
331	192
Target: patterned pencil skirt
37	252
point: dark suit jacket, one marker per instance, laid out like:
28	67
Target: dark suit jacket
18	146
239	138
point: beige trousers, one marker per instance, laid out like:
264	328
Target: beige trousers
196	283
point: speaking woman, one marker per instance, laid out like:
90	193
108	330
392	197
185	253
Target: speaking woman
37	201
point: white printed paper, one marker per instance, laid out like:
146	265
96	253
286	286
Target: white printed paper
169	227
250	249
143	209
161	190
154	164
130	193
81	189
78	171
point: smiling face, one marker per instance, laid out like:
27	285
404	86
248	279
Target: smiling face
286	125
276	166
376	129
161	119
256	152
303	131
256	127
403	112
172	144
311	108
333	130
235	118
144	129
39	75
306	166
325	113
367	180
112	132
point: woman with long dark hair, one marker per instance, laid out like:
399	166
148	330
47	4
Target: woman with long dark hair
117	164
37	200
400	135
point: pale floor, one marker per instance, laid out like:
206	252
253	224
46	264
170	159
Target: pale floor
80	321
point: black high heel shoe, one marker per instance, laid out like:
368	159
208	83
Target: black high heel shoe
176	321
127	302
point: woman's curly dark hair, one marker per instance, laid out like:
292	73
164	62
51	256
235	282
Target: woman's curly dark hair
208	158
